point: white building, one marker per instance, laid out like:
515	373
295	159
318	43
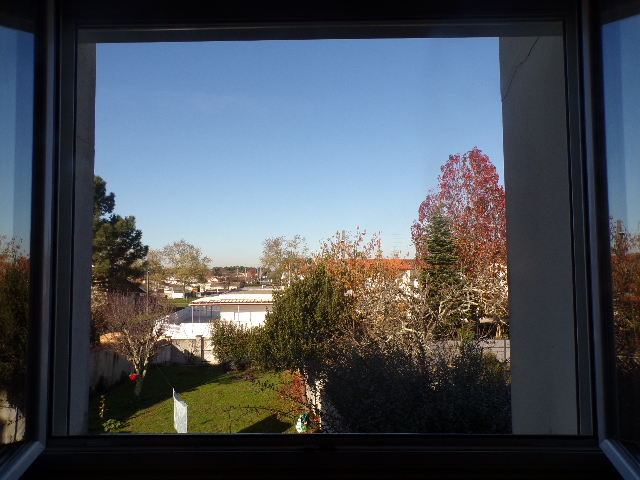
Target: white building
247	307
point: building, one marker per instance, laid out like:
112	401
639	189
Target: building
247	307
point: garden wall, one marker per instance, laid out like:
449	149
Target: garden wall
112	368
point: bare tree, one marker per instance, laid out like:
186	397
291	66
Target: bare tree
137	324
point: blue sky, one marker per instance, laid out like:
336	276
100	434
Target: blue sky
225	144
622	118
16	135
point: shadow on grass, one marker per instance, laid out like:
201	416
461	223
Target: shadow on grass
271	424
158	386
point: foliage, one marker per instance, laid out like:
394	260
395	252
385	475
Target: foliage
366	342
112	425
306	316
625	270
117	243
14	318
441	259
442	280
472	202
379	388
182	261
156	270
284	258
231	344
137	324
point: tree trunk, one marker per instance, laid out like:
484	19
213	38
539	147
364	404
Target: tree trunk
138	388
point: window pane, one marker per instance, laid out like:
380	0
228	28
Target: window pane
16	139
621	44
248	157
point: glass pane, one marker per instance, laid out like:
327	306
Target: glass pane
253	170
16	143
621	57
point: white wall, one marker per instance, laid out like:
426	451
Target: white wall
247	315
539	236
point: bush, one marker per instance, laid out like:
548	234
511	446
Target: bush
231	344
377	388
113	425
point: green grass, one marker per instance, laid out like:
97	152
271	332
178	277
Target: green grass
179	303
218	402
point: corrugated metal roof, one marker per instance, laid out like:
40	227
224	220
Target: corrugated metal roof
230	299
227	301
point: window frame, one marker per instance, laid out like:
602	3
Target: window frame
61	255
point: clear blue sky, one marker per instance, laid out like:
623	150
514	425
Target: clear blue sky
622	119
225	144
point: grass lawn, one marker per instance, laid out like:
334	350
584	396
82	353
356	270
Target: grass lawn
236	402
179	303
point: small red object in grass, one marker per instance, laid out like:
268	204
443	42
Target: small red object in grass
133	376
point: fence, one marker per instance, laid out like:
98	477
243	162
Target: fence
501	348
108	368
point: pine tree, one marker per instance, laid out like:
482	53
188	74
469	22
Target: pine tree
442	277
441	262
117	243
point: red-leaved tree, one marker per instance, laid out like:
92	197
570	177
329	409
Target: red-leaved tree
472	200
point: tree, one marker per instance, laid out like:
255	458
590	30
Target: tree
625	279
137	324
284	258
117	243
157	271
472	202
366	344
306	316
185	263
441	262
625	272
471	199
14	320
441	278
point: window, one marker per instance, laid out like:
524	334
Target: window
571	412
16	125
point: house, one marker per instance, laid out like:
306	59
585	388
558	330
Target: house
246	306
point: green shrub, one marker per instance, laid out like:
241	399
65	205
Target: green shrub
112	425
231	344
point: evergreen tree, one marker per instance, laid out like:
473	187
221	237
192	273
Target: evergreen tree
441	262
442	277
117	243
